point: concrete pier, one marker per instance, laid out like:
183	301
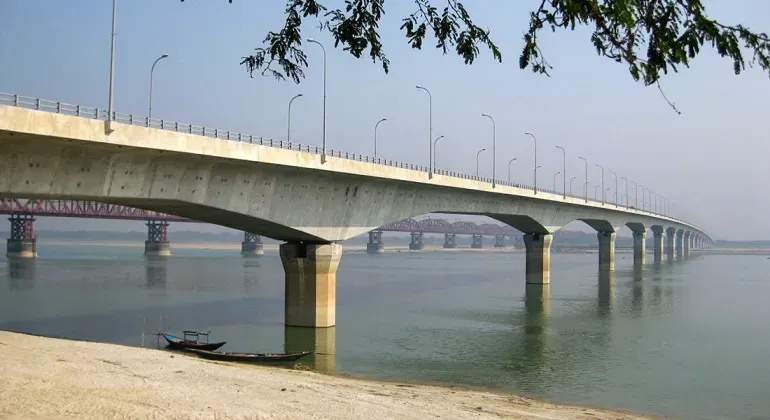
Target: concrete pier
22	242
686	241
477	241
252	245
606	251
499	241
311	283
670	244
157	244
450	240
657	244
679	244
640	248
538	258
416	243
375	244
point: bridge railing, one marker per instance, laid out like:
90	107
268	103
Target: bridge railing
102	114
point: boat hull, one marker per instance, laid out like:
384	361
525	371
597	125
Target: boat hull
181	344
250	357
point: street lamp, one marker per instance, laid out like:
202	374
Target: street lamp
564	168
509	168
602	168
477	161
323	137
535	172
616	187
152	70
494	157
288	124
570	184
112	68
596	192
554	180
636	195
375	135
434	151
642	186
626	179
430	129
586	186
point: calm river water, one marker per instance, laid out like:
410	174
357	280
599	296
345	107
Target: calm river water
689	340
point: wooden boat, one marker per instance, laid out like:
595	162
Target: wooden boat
186	343
250	357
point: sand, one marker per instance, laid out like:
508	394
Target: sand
48	378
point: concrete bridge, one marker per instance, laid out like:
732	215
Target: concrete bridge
309	199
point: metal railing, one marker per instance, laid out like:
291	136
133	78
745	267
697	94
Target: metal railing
102	114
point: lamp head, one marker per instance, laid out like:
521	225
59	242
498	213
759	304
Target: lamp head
164	56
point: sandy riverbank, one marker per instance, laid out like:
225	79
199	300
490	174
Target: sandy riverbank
45	378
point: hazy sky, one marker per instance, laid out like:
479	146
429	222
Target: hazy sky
711	161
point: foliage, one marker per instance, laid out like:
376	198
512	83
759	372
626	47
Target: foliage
650	36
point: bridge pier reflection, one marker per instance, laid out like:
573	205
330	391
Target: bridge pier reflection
321	341
21	273
606	292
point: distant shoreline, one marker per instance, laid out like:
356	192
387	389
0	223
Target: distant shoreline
225	246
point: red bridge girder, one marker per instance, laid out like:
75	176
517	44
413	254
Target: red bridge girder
79	208
97	210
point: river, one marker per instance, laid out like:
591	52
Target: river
689	340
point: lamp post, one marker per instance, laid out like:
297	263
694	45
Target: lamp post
112	68
626	179
570	184
616	187
636	195
596	192
554	180
375	136
586	185
288	124
494	157
535	171
602	168
642	187
535	174
430	129
152	70
564	171
323	136
477	161
434	151
509	168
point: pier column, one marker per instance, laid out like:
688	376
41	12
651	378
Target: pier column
606	251
538	257
640	248
311	282
499	241
679	244
416	243
670	244
157	244
687	243
477	241
450	240
375	244
22	242
657	244
252	245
